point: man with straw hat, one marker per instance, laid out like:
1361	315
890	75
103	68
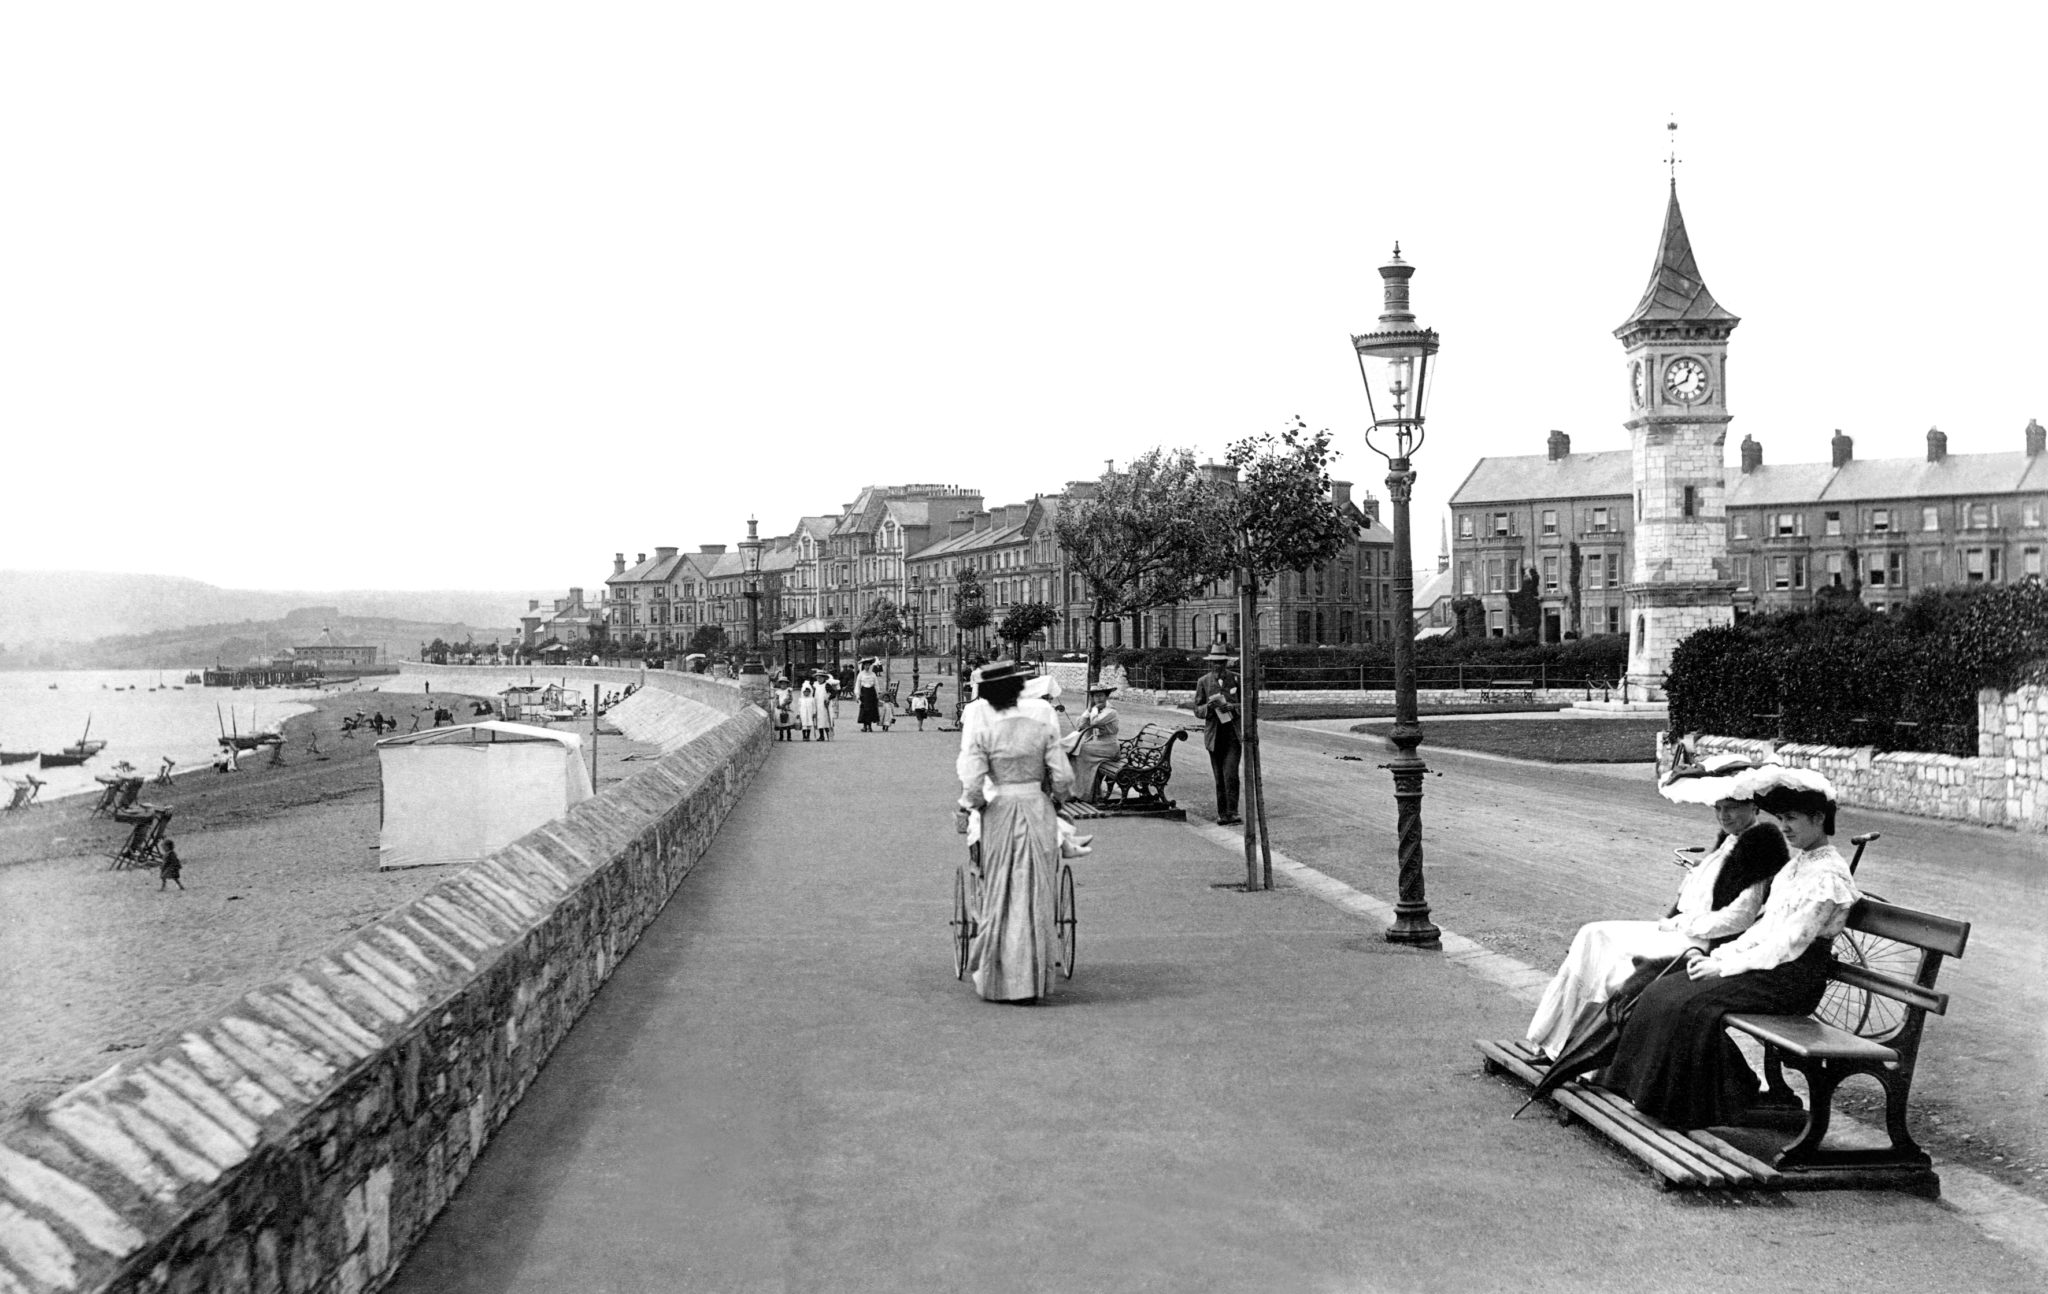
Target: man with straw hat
1216	705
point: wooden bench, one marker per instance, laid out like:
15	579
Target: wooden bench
1144	767
1881	987
1508	689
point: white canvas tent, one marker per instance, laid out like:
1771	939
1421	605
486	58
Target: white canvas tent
453	795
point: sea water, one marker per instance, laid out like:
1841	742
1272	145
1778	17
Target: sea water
142	715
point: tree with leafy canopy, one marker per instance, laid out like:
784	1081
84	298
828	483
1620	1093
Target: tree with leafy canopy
879	629
1277	513
970	605
1525	607
709	639
1025	621
1152	535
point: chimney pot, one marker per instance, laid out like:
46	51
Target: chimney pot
2037	438
1560	446
1752	455
1937	445
618	563
1844	448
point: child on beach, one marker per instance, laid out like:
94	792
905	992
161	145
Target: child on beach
169	869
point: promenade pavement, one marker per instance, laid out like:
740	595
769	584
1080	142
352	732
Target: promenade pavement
784	1088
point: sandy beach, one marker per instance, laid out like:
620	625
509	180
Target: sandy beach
279	862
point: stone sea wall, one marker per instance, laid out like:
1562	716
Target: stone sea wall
2004	785
301	1141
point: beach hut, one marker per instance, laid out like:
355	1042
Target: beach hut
454	795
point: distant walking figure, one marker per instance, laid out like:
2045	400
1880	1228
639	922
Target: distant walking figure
1216	700
867	690
170	867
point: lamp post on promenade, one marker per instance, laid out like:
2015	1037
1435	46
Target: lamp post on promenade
750	552
916	628
1394	361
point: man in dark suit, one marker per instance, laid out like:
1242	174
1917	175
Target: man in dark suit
1216	705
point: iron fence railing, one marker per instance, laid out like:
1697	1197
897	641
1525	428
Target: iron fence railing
1380	678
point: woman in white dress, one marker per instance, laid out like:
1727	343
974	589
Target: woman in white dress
824	694
1718	899
807	706
1013	770
1674	1060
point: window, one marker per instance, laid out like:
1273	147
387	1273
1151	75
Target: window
1593	570
1983	565
1614	571
1781	572
1930	517
1465	583
1895	569
2030	563
1550	521
1599	520
1465	525
1834	564
1740	524
1983	516
1691	501
1493	575
1789	523
1742	565
1550	575
1876	576
1301	627
1614	620
1880	520
1973	565
1497	624
2030	514
1500	523
1834	525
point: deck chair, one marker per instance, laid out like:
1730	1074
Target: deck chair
119	797
109	794
22	794
144	845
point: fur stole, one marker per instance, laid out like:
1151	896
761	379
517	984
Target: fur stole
1758	854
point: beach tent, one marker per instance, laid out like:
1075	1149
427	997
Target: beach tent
454	795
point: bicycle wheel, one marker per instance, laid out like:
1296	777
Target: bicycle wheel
1065	922
962	923
1859	1011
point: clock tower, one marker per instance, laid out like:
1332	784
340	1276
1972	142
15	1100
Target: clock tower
1677	369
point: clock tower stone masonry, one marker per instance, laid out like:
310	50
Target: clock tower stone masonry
1677	346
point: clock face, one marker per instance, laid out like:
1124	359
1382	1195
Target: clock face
1635	383
1686	380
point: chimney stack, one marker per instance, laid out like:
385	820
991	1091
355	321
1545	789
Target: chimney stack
1219	473
639	559
533	604
2037	438
575	597
618	563
1560	446
714	550
1340	492
1937	445
1752	455
663	554
1843	447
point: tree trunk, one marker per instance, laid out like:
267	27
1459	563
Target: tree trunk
1258	851
1095	643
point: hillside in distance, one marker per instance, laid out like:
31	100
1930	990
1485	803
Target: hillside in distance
245	642
44	609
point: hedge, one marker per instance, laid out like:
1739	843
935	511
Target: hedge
1594	660
1841	674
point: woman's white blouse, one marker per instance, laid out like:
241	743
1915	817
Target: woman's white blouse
1810	899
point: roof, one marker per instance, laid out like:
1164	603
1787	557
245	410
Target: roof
478	734
1879	479
973	540
1431	590
1528	477
813	626
1676	293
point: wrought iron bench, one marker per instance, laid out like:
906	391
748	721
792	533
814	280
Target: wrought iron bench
1144	766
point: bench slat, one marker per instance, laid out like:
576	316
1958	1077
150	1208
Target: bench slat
1921	929
1898	990
1804	1036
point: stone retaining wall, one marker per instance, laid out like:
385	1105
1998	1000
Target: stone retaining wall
2004	785
301	1141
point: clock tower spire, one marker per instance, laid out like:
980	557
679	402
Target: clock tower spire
1676	342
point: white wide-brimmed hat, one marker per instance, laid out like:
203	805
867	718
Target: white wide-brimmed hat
1712	780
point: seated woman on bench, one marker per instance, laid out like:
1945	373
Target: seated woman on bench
1718	899
1674	1060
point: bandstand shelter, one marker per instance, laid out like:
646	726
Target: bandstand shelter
811	644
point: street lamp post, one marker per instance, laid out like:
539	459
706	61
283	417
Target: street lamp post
1394	361
750	550
916	628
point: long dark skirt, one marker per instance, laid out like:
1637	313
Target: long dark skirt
1675	1060
870	706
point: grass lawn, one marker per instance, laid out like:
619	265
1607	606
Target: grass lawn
1553	741
1286	710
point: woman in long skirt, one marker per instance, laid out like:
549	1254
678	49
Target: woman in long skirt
1095	742
1719	899
868	688
1011	957
824	714
1674	1059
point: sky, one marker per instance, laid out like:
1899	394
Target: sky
475	295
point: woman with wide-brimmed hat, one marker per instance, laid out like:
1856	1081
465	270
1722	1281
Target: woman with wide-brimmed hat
1094	745
1013	771
1718	899
1673	1059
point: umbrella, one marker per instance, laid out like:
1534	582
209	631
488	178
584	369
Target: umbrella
1592	1044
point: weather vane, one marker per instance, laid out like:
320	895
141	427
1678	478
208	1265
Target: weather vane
1671	129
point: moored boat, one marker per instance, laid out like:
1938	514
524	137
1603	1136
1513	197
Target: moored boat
65	760
16	756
